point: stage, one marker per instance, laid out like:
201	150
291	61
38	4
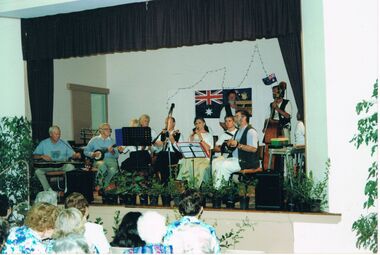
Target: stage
273	230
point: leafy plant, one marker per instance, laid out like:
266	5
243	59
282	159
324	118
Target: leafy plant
365	227
128	183
15	148
156	188
233	237
116	222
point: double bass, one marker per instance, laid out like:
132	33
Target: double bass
271	130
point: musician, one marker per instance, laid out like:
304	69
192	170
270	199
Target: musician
229	109
244	155
144	121
221	144
281	110
53	149
299	133
198	169
167	142
103	143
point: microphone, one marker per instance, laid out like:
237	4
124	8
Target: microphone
171	109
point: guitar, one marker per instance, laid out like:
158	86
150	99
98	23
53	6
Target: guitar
102	152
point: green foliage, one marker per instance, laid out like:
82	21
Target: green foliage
116	222
233	237
15	145
366	226
156	188
128	183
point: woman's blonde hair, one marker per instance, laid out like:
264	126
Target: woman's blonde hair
134	122
144	116
77	200
41	217
69	221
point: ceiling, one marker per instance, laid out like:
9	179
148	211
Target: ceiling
38	8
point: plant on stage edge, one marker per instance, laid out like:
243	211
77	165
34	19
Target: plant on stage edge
15	145
116	222
233	237
365	227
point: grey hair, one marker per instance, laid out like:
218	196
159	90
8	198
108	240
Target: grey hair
69	221
52	128
151	227
71	244
101	126
47	197
144	116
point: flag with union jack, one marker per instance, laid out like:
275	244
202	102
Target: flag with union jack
208	103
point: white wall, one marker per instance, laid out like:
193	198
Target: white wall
89	71
340	40
12	96
141	82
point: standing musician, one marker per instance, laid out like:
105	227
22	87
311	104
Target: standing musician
103	146
280	110
244	155
221	143
53	149
168	139
229	109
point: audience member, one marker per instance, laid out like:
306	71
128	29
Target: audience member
71	244
94	233
4	229
146	223
48	196
69	221
39	225
127	235
191	209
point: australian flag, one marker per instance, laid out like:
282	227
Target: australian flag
208	103
270	79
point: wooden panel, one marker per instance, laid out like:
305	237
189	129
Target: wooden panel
81	106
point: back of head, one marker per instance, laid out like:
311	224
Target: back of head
193	239
127	235
69	221
191	203
49	197
4	205
41	217
151	227
71	244
77	200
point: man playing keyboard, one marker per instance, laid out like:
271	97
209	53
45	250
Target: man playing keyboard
53	149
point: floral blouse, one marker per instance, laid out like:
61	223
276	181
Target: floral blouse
24	240
150	249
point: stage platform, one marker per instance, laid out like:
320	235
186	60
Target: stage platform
273	230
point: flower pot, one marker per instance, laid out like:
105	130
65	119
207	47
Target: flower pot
291	207
176	200
153	200
129	199
216	202
244	203
166	199
143	199
304	207
230	201
315	205
110	199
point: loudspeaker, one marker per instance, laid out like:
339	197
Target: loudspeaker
82	182
269	191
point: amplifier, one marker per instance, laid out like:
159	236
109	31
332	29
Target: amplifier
269	191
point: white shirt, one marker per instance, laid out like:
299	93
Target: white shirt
299	134
222	137
94	235
207	138
223	113
252	139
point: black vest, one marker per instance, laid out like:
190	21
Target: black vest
228	110
248	160
282	120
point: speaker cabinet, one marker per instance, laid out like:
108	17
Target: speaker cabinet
269	191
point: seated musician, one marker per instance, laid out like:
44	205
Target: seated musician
244	155
144	121
221	143
169	137
197	170
103	146
229	109
53	149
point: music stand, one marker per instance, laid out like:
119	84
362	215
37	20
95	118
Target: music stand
136	136
193	150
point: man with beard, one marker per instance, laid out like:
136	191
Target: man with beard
245	154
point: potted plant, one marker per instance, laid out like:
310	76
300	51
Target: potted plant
168	190
128	185
209	191
246	190
155	190
230	190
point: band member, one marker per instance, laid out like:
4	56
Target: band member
103	144
53	149
281	110
144	121
229	109
169	154
244	155
299	133
197	169
221	143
